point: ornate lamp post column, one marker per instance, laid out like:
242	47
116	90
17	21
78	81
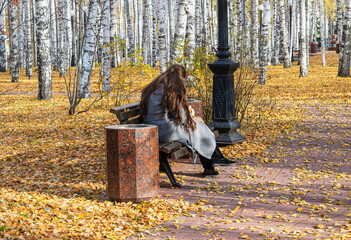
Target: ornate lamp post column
223	85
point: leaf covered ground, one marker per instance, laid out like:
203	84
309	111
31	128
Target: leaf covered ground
52	164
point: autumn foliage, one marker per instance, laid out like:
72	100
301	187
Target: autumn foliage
52	164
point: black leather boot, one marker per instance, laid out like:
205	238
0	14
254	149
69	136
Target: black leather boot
208	167
219	160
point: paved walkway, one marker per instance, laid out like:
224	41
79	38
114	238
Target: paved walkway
302	190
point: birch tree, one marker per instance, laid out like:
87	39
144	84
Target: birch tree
28	39
63	41
113	31
147	33
190	31
106	72
283	35
44	49
345	54
303	61
276	49
13	59
321	25
180	30
89	49
263	42
2	37
129	25
20	33
162	25
254	32
339	19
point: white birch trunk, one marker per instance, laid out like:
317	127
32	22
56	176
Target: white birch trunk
313	23
276	49
308	18
345	54
263	42
13	61
180	30
302	48
129	26
89	49
53	33
2	38
154	34
198	23
162	35
20	34
339	19
283	35
190	31
254	32
321	24
27	39
44	49
113	31
106	71
146	31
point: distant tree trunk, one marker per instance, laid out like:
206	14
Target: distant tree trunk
113	30
28	39
2	38
154	33
34	27
180	31
53	34
283	35
321	24
62	37
190	31
254	33
106	73
345	54
339	19
275	59
313	22
308	18
162	27
303	61
263	42
89	49
129	25
13	61
147	33
198	23
20	34
44	49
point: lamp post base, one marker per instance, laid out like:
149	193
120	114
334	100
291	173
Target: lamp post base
227	132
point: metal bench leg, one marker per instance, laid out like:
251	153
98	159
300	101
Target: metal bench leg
167	168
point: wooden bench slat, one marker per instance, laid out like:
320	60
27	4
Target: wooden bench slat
122	116
179	153
122	108
138	120
216	133
168	148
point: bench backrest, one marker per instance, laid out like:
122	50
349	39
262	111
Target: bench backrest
128	114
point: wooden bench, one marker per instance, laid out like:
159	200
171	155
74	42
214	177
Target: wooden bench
129	114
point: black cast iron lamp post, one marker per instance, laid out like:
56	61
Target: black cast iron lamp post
223	85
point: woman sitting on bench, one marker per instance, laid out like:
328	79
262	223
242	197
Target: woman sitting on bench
163	103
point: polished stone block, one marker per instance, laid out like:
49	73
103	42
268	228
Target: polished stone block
132	162
197	106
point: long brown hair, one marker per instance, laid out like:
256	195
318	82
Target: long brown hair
174	93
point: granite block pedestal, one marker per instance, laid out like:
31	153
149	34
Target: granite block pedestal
132	162
197	106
